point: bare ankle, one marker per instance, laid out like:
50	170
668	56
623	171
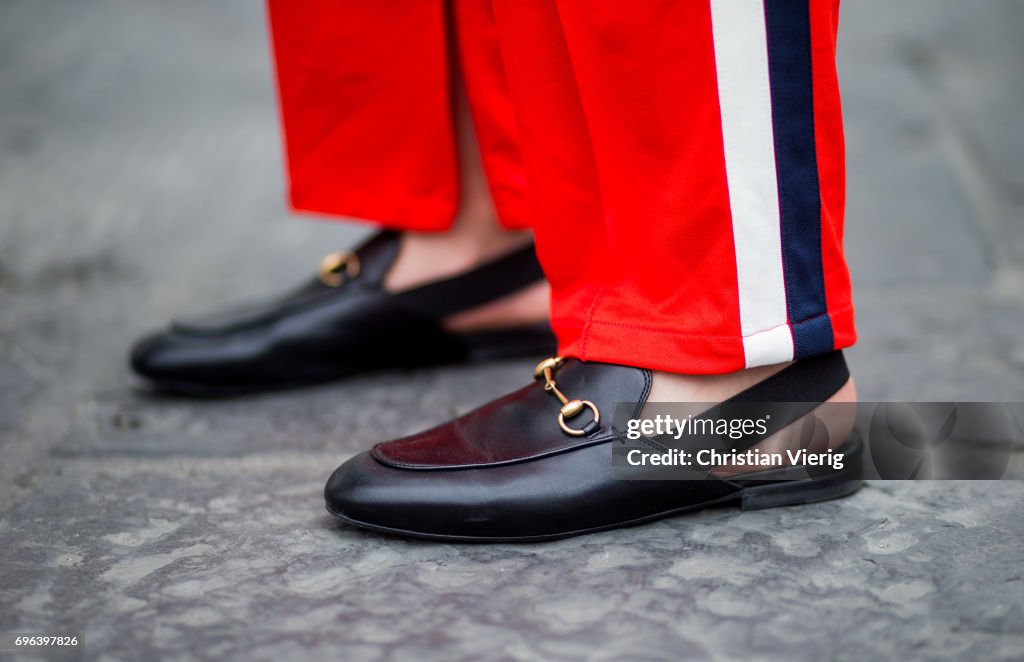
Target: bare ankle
427	256
676	387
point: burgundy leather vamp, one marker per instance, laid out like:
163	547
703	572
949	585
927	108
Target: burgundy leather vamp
522	425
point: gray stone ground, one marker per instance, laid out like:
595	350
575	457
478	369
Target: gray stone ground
140	176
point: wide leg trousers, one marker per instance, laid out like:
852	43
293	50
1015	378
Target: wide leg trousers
681	162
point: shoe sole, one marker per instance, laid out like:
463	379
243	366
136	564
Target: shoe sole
481	347
755	497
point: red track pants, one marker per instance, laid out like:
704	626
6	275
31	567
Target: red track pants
681	162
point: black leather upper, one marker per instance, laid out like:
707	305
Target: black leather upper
317	332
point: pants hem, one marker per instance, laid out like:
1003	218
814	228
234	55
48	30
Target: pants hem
668	350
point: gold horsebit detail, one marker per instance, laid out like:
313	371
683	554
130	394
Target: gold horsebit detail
336	268
570	408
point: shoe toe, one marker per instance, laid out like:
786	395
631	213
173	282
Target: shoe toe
358	491
151	357
366	493
188	364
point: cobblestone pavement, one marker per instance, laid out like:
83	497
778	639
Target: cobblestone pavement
140	176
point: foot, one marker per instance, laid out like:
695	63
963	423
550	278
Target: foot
543	462
347	320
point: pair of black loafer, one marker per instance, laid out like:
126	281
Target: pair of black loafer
524	467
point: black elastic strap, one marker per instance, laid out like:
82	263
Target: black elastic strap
796	390
484	284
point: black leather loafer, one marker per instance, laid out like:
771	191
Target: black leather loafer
340	323
523	468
